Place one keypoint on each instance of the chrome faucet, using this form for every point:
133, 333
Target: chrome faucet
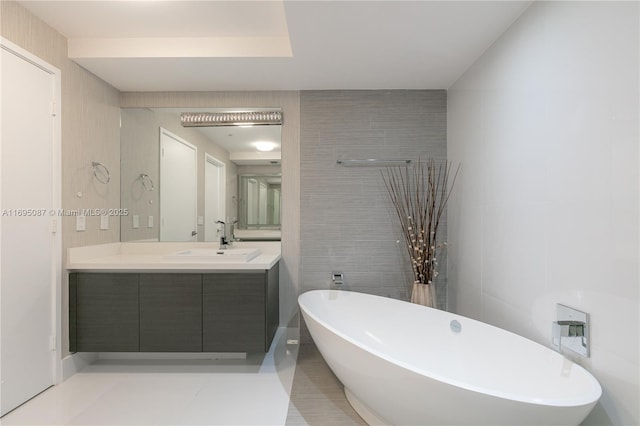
571, 330
223, 235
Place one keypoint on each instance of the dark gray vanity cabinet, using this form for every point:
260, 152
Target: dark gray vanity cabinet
173, 312
233, 307
170, 313
103, 315
240, 311
273, 304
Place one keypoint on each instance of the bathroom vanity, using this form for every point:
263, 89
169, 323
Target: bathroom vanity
173, 297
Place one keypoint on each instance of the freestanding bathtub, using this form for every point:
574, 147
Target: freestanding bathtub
405, 364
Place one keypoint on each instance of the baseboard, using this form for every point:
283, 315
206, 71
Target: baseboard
170, 355
75, 362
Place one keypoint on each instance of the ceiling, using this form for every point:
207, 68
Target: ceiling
184, 45
241, 142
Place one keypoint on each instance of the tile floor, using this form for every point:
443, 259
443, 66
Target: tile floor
260, 390
254, 391
317, 396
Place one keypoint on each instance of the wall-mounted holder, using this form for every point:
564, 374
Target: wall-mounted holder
147, 182
337, 278
571, 330
101, 172
380, 162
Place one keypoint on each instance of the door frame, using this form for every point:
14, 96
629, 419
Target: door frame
56, 183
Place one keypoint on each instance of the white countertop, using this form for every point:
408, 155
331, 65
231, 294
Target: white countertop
153, 257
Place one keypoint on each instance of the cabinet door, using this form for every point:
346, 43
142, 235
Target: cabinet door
171, 313
106, 312
234, 312
273, 303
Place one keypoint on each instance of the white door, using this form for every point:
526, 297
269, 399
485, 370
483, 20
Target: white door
214, 193
29, 249
178, 188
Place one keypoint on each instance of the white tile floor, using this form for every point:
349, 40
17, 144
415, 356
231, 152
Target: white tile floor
254, 391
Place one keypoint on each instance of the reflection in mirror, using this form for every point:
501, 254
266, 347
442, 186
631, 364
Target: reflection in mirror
178, 188
221, 155
259, 201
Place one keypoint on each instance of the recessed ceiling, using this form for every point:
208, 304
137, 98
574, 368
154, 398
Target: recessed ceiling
277, 45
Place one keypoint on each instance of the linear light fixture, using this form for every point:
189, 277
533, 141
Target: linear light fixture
240, 118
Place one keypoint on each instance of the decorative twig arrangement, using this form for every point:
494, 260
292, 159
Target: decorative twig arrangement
419, 195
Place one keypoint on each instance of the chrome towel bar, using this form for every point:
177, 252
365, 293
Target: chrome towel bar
379, 162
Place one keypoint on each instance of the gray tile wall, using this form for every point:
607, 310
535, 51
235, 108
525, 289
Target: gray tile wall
347, 222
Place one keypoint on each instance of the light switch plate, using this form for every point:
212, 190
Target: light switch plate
81, 223
136, 221
104, 222
150, 222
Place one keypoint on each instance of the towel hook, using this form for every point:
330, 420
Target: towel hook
101, 172
147, 182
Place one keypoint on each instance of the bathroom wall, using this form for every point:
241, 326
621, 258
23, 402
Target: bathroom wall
259, 169
545, 210
90, 132
139, 154
347, 220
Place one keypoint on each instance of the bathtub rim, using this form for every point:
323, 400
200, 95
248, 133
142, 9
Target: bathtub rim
554, 402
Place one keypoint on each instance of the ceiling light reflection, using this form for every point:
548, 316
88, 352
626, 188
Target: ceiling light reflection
265, 146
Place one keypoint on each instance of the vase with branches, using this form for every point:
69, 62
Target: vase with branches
419, 194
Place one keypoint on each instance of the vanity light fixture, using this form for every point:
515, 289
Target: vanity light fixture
239, 118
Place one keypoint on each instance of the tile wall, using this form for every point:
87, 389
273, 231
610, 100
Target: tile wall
347, 222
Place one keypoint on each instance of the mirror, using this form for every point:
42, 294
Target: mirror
177, 182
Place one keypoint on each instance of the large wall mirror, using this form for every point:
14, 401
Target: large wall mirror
179, 181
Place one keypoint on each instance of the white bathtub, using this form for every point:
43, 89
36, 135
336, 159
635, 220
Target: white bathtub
404, 364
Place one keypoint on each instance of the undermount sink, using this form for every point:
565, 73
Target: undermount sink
231, 254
